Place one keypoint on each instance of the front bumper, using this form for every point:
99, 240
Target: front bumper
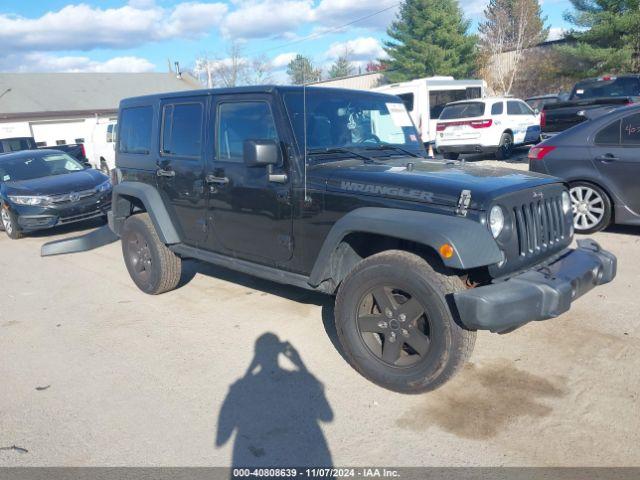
31, 218
541, 293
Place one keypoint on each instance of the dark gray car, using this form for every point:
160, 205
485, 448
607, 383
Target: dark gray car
600, 159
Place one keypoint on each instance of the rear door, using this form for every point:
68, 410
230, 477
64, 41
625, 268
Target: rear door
616, 155
180, 162
522, 121
249, 214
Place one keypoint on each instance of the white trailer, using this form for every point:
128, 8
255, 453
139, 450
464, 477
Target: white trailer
425, 99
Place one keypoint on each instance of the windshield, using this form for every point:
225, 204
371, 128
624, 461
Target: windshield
351, 120
462, 110
37, 166
618, 87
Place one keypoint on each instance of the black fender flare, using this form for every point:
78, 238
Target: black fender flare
472, 242
149, 196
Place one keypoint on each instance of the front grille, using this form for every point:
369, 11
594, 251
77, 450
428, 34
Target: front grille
540, 225
66, 197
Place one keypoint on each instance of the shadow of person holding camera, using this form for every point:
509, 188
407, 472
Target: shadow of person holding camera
275, 412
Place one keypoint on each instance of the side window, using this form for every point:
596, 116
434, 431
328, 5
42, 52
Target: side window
60, 142
630, 130
407, 99
609, 135
41, 144
525, 109
242, 121
182, 129
109, 133
513, 108
497, 108
79, 140
135, 130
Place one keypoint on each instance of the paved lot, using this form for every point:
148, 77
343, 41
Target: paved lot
94, 372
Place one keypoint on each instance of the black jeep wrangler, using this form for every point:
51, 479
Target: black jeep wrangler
331, 190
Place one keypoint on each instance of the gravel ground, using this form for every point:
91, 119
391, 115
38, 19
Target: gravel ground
95, 373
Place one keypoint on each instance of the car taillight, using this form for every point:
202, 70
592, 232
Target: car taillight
538, 153
440, 127
481, 123
543, 119
84, 152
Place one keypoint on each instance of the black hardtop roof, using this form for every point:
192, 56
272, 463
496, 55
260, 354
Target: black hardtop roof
239, 91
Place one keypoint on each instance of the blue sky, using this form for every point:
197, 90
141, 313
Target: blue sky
141, 35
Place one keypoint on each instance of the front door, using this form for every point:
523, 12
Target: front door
249, 210
181, 166
616, 154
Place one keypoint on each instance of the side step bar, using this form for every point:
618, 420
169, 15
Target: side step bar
98, 238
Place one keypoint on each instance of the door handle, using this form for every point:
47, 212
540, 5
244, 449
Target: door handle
216, 180
161, 172
607, 158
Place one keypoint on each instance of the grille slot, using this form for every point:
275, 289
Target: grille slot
539, 225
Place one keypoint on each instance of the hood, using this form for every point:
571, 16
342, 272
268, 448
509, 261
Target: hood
428, 181
57, 184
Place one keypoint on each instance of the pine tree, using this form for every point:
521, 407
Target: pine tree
607, 36
429, 37
301, 70
341, 68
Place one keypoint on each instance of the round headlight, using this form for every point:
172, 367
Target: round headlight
566, 202
496, 221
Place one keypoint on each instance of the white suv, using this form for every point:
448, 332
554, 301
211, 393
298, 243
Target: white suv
490, 125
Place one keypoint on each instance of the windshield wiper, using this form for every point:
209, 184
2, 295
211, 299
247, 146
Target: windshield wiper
331, 150
387, 146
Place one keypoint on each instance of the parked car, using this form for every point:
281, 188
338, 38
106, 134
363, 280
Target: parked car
590, 94
425, 98
76, 150
492, 125
601, 161
44, 188
330, 190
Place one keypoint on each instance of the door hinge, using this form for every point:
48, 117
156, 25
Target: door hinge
463, 203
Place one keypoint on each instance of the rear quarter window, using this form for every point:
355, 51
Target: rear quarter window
630, 131
462, 110
497, 108
609, 135
407, 99
135, 130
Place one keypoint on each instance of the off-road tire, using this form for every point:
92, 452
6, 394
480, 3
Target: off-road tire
505, 148
604, 218
451, 156
450, 344
13, 233
162, 272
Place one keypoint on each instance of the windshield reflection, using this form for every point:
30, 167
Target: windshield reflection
346, 122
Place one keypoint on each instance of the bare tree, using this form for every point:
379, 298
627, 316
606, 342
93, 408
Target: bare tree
233, 69
510, 28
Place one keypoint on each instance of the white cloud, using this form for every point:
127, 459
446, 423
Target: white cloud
556, 33
266, 18
41, 62
83, 27
282, 60
359, 49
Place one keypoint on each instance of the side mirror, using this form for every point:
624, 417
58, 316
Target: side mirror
258, 153
536, 111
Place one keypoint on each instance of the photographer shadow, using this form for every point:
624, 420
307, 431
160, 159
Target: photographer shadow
276, 412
